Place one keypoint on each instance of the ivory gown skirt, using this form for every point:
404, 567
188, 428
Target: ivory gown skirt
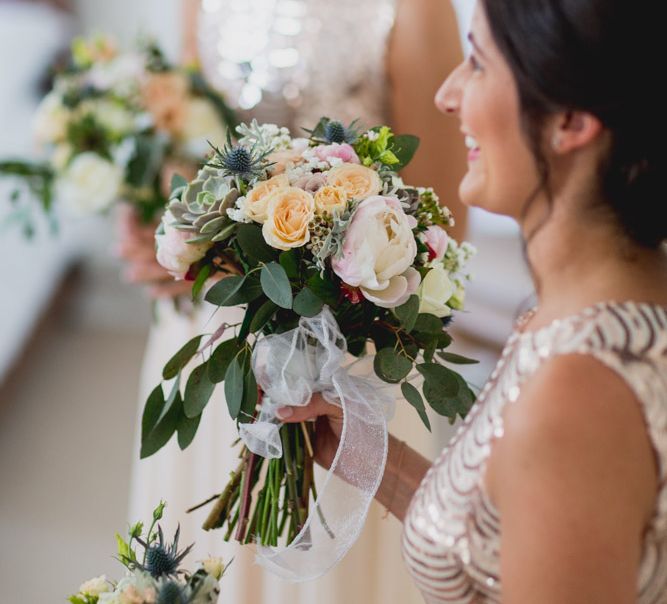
373, 571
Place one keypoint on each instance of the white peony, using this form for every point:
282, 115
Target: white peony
50, 121
112, 116
89, 184
435, 291
95, 586
378, 251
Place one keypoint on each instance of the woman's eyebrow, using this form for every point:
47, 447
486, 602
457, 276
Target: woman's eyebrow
471, 38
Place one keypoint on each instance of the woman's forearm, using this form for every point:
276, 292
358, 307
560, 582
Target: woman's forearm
403, 473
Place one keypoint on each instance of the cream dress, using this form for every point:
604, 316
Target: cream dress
288, 62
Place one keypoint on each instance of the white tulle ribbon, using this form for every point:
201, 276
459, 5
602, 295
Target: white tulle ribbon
289, 368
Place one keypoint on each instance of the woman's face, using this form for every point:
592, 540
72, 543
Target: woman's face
481, 91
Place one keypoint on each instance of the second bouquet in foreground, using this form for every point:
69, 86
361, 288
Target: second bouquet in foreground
330, 253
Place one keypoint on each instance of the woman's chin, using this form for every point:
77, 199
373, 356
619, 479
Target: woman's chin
470, 190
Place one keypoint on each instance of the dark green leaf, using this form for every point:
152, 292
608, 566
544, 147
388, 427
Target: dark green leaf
324, 289
152, 410
234, 384
160, 435
250, 312
250, 397
289, 260
186, 430
181, 358
262, 316
307, 304
442, 389
429, 349
457, 359
404, 147
202, 275
252, 243
221, 358
276, 285
427, 323
391, 366
407, 313
198, 391
466, 397
413, 397
234, 290
444, 340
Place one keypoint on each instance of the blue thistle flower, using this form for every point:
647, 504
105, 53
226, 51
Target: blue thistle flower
334, 132
239, 161
163, 560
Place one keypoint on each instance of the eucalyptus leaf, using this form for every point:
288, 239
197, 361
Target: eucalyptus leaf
442, 389
152, 410
221, 358
234, 385
427, 323
181, 358
404, 147
186, 430
391, 366
263, 316
202, 275
234, 290
164, 429
252, 243
198, 391
324, 289
407, 313
413, 397
276, 285
307, 304
456, 359
290, 262
250, 398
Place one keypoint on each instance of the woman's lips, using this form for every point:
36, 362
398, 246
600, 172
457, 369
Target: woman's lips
473, 147
473, 154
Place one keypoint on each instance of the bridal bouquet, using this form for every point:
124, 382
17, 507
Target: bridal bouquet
113, 123
154, 576
329, 252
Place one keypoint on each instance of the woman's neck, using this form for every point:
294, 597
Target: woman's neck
580, 260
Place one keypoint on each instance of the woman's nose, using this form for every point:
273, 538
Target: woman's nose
447, 99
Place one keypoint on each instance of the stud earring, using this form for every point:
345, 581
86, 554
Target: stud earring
556, 142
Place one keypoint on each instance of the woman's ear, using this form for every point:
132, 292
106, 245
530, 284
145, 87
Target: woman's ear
573, 130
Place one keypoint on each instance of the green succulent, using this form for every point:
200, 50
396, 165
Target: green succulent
202, 206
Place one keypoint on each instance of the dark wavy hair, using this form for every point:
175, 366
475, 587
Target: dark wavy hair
601, 57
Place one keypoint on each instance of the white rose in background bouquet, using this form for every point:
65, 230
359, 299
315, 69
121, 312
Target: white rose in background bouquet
154, 576
112, 124
330, 253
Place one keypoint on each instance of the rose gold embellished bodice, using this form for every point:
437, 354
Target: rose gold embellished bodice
451, 537
291, 62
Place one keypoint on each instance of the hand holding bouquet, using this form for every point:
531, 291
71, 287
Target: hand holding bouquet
329, 252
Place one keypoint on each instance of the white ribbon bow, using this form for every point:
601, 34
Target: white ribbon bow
289, 368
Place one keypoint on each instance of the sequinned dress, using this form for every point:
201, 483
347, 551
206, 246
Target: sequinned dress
288, 62
451, 536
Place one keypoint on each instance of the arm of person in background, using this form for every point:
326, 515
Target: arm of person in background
136, 241
425, 47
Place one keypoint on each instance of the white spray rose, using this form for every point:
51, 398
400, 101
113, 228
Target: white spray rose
111, 116
434, 292
89, 184
214, 566
173, 251
95, 586
50, 121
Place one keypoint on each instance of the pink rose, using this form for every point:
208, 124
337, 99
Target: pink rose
175, 254
342, 151
379, 249
436, 239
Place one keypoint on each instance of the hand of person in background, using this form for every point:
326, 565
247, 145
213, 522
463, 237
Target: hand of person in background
136, 245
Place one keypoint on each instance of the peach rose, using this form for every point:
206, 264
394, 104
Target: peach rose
289, 213
165, 96
258, 197
330, 199
358, 181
